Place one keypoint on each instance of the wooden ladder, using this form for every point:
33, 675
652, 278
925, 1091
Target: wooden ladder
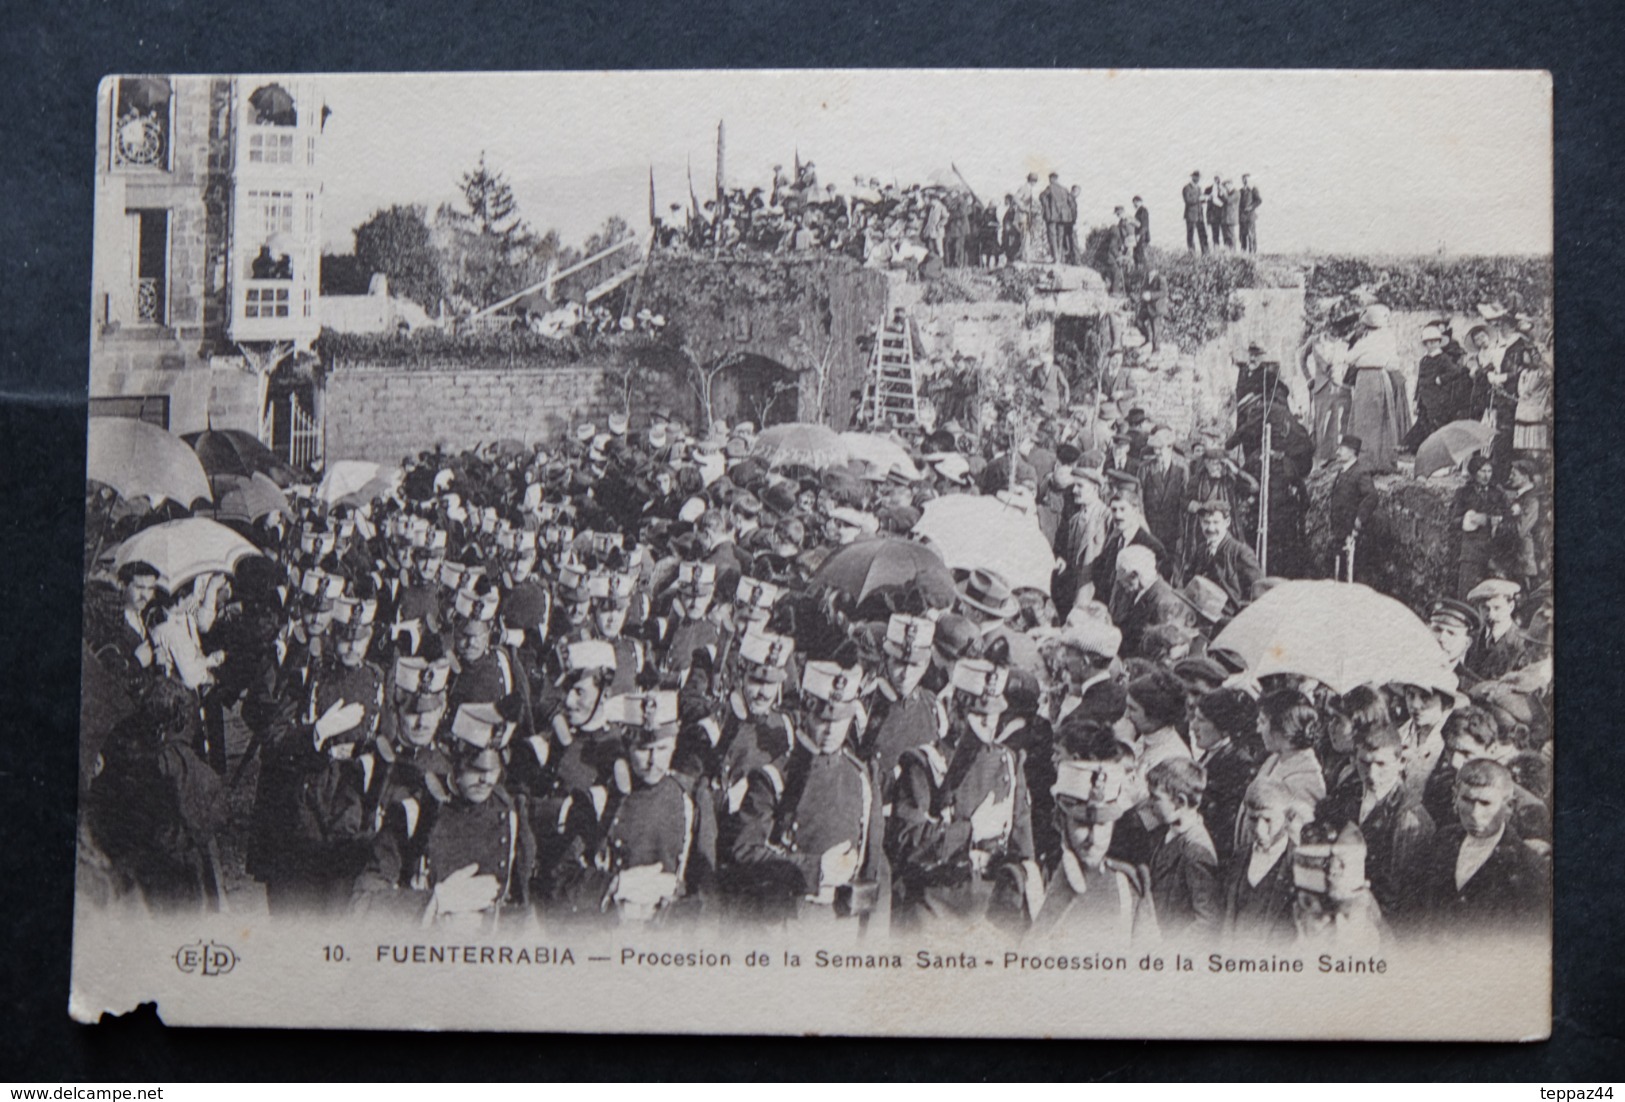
892, 396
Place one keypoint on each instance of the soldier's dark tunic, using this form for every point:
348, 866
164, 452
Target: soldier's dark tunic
1113, 909
423, 842
940, 872
665, 824
675, 638
485, 680
898, 724
796, 809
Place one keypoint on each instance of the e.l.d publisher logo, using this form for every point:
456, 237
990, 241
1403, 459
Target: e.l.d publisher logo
212, 959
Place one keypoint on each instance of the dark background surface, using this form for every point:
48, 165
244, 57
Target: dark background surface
53, 57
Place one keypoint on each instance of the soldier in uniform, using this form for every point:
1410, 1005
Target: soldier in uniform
903, 713
483, 671
643, 847
685, 624
960, 806
1333, 906
1090, 898
751, 731
407, 750
611, 595
574, 747
809, 844
462, 858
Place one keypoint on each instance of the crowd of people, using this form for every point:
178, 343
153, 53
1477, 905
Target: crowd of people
630, 678
930, 226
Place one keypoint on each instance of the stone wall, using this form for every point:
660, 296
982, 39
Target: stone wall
1409, 551
383, 414
795, 312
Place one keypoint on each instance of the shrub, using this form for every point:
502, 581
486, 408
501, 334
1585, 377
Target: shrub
1446, 284
478, 349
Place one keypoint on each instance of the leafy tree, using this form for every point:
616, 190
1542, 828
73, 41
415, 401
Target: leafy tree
344, 274
399, 243
491, 250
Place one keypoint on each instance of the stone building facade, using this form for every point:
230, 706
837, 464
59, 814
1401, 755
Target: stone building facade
207, 252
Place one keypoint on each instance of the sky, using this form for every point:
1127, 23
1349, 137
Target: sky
1346, 162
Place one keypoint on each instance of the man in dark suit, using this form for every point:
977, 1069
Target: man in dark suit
1258, 890
1478, 874
1220, 557
1059, 216
1396, 828
1127, 529
1142, 215
1214, 197
1250, 201
1353, 498
1163, 478
1195, 225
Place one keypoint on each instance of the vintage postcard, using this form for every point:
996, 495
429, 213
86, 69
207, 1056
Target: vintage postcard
964, 553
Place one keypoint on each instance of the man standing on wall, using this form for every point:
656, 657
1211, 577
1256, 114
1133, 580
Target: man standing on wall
1058, 218
1195, 228
1250, 202
1214, 194
1142, 215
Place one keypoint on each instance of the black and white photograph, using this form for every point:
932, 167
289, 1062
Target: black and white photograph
829, 544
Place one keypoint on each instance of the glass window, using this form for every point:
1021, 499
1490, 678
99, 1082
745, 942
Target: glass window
266, 302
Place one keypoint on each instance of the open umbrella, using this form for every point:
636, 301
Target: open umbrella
870, 565
884, 452
972, 531
181, 550
248, 499
800, 444
1339, 633
142, 460
1450, 445
357, 480
233, 451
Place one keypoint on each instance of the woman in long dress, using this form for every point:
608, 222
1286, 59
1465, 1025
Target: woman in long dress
1376, 415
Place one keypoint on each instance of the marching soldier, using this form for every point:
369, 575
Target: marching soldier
960, 808
1091, 898
903, 713
686, 624
460, 858
753, 730
643, 846
574, 748
483, 670
407, 750
611, 595
809, 844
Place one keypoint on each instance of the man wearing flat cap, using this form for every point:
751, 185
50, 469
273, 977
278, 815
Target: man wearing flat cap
1502, 645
